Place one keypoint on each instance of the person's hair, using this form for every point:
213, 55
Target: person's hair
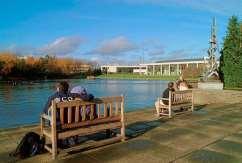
170, 85
63, 86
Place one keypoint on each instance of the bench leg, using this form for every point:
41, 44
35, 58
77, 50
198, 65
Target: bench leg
123, 132
41, 126
157, 107
54, 148
169, 111
54, 140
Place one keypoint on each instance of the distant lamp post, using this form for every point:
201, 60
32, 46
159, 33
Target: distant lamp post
142, 60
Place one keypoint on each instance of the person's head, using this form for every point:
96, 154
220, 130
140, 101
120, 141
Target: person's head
170, 85
63, 87
80, 90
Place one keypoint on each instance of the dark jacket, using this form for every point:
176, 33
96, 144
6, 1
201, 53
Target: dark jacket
166, 95
61, 96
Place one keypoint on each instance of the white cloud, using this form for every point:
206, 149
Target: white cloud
115, 46
62, 46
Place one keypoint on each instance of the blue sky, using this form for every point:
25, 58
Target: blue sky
113, 31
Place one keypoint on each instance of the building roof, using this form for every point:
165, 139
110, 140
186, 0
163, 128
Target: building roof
180, 60
122, 66
171, 61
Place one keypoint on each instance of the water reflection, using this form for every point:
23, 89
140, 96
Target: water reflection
22, 104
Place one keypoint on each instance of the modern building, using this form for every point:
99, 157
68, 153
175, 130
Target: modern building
80, 68
173, 67
160, 68
123, 69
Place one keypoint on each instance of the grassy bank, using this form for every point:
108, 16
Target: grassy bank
138, 77
234, 89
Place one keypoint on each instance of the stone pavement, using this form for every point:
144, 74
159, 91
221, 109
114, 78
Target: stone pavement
212, 133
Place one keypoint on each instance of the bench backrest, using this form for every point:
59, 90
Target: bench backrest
73, 113
179, 97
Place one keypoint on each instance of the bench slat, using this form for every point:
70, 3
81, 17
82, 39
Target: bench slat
69, 114
108, 99
84, 112
105, 110
89, 130
110, 109
62, 115
116, 108
93, 144
91, 122
77, 113
92, 112
94, 101
98, 110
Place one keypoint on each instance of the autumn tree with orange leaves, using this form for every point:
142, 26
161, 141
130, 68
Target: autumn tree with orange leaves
38, 67
8, 61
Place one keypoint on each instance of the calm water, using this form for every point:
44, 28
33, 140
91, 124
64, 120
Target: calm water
22, 104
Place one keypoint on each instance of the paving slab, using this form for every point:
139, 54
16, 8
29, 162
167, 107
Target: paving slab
227, 147
207, 156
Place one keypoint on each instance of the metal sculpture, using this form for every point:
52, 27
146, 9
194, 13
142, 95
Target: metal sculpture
212, 66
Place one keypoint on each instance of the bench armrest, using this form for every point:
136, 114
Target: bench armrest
44, 116
167, 99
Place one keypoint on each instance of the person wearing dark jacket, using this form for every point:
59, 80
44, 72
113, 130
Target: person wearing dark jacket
63, 94
165, 94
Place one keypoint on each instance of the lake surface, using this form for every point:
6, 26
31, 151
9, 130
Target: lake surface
22, 104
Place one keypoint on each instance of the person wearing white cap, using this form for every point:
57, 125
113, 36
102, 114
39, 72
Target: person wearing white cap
84, 95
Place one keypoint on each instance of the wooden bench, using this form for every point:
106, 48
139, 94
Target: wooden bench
109, 115
177, 101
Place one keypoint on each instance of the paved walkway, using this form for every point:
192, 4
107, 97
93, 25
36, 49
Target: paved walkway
213, 133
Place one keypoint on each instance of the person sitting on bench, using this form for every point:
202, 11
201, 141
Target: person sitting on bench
164, 95
83, 92
62, 94
182, 84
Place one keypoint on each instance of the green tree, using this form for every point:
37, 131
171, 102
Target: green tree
240, 51
230, 59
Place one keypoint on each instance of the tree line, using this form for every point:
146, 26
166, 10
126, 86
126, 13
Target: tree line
231, 55
46, 67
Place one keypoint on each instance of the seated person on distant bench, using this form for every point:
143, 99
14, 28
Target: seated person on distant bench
182, 84
164, 95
